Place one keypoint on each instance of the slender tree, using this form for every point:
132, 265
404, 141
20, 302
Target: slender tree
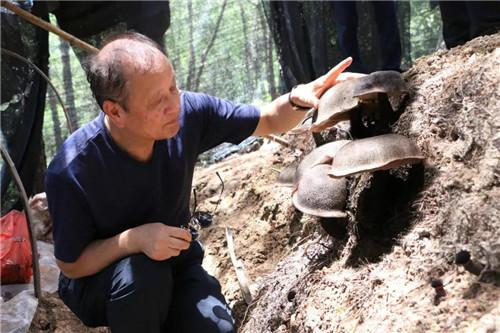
269, 47
68, 83
209, 46
250, 74
192, 54
55, 120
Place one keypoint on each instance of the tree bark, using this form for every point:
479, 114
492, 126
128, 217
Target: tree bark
251, 78
192, 54
68, 84
269, 45
55, 119
273, 91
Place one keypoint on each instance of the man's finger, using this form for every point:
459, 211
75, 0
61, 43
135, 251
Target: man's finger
179, 244
181, 234
344, 76
332, 75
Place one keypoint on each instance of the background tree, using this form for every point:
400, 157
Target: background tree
209, 47
69, 92
192, 55
53, 103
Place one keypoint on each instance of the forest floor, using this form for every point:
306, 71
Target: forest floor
405, 225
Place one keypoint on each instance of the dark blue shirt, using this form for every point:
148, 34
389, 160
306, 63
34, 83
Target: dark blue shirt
95, 190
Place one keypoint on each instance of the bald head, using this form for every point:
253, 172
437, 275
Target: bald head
121, 56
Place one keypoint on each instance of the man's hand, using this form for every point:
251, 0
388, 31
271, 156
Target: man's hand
309, 94
279, 116
156, 240
159, 241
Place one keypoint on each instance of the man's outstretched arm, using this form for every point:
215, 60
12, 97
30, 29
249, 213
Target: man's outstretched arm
279, 116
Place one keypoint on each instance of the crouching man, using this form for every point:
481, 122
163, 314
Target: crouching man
119, 189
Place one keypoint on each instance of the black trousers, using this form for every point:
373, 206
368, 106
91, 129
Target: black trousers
466, 20
346, 21
138, 294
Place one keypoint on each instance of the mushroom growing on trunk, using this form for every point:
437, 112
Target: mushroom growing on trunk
368, 87
291, 175
335, 104
316, 194
375, 153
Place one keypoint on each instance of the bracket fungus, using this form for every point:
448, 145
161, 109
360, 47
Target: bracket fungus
368, 87
374, 153
316, 194
335, 104
338, 102
291, 175
320, 155
376, 114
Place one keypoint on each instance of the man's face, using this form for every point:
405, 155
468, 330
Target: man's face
153, 104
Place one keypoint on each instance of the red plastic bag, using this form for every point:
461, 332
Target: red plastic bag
15, 249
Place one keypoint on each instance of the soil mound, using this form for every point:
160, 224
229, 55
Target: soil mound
406, 224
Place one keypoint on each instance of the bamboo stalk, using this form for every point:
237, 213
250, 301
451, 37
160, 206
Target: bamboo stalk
29, 219
49, 27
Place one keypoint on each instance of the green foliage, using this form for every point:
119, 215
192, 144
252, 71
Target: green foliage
238, 66
235, 67
425, 28
85, 104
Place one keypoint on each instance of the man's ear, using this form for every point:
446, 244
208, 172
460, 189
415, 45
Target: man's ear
115, 113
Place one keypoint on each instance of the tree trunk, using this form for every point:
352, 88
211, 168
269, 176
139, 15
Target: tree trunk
55, 119
404, 20
38, 183
192, 54
270, 68
251, 79
269, 45
209, 46
68, 84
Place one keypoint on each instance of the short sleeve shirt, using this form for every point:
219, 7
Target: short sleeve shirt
95, 190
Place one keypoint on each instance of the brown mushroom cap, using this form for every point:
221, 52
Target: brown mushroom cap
306, 122
320, 155
291, 174
375, 153
389, 82
319, 195
335, 104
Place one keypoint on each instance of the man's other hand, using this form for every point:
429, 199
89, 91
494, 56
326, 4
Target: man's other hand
160, 242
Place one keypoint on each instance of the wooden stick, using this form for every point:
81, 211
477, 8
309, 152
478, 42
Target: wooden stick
49, 27
239, 269
277, 139
29, 219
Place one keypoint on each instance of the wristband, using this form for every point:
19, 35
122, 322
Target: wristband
296, 107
